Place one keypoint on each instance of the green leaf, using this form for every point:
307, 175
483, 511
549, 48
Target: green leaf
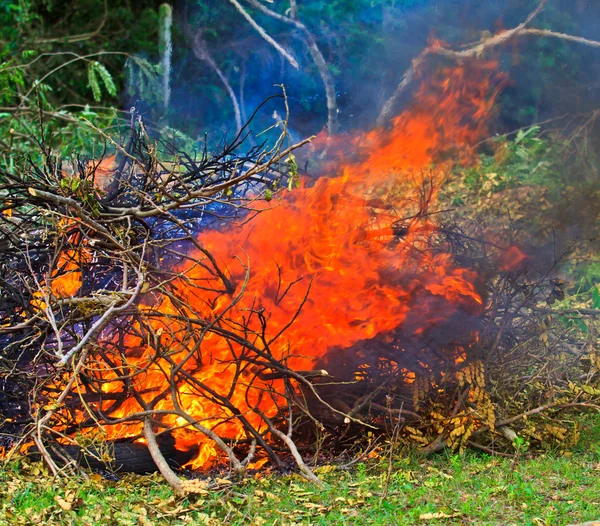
590, 390
524, 134
106, 77
95, 70
93, 83
596, 297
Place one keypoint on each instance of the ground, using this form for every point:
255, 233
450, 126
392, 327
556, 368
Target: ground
542, 489
533, 488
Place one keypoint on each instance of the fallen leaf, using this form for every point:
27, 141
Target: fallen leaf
324, 469
314, 506
437, 515
67, 506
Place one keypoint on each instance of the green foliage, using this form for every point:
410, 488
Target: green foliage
526, 159
584, 288
143, 78
359, 39
95, 71
83, 190
544, 66
294, 176
59, 57
596, 290
11, 80
543, 189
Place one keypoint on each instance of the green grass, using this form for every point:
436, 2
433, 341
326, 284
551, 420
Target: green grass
469, 489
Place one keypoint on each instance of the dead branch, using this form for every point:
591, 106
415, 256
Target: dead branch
164, 468
265, 35
316, 55
103, 321
201, 51
283, 374
72, 39
287, 440
547, 33
473, 51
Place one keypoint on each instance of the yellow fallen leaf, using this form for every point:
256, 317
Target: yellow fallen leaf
437, 515
325, 469
314, 506
67, 506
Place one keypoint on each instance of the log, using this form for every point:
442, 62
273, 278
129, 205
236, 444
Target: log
127, 457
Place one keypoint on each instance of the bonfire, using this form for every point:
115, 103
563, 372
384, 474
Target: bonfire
229, 311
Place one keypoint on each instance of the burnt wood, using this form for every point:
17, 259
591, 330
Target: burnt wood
127, 457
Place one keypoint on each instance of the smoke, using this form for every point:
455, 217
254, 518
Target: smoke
367, 47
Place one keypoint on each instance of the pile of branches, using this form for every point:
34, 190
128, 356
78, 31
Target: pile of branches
82, 258
512, 380
87, 267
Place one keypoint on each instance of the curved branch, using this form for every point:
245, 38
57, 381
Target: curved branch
201, 51
164, 468
473, 51
317, 56
264, 35
77, 38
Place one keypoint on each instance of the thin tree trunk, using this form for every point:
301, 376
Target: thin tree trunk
166, 50
201, 51
316, 55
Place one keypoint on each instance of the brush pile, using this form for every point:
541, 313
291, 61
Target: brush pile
173, 310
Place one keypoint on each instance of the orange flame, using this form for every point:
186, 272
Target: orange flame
326, 266
513, 259
67, 279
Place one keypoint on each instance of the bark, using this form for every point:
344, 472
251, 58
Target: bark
265, 35
162, 465
201, 51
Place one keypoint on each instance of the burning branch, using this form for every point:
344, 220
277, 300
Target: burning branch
188, 304
72, 249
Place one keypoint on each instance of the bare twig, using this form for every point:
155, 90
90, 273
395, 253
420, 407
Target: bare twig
201, 51
316, 55
164, 468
